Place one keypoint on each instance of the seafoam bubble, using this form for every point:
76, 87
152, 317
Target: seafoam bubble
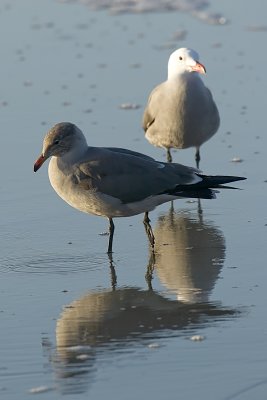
197, 8
237, 160
211, 18
40, 389
197, 338
129, 106
153, 345
82, 357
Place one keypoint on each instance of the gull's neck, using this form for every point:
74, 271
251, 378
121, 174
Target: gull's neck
173, 74
182, 76
76, 153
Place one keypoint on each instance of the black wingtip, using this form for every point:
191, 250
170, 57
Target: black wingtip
227, 187
213, 181
238, 178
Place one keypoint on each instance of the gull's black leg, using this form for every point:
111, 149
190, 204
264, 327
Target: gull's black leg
169, 156
197, 157
111, 233
149, 231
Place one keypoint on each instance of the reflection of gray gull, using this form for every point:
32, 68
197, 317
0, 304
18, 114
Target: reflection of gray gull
190, 255
103, 322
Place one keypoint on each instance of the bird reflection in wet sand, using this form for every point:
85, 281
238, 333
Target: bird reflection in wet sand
104, 323
190, 254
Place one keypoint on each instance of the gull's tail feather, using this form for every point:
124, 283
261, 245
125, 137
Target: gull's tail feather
197, 193
204, 188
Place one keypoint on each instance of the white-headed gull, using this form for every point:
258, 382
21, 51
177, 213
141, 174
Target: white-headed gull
181, 112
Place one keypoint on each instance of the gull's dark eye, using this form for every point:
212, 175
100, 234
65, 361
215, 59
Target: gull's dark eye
56, 141
180, 58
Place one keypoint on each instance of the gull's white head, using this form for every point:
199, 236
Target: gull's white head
184, 61
61, 139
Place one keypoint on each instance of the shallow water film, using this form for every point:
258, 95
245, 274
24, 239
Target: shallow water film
188, 321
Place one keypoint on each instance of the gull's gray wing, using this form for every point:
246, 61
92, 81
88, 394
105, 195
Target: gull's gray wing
128, 177
210, 113
151, 109
130, 152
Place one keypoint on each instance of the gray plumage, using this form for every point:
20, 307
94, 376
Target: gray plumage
114, 182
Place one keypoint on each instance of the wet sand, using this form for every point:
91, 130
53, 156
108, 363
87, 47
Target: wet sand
189, 322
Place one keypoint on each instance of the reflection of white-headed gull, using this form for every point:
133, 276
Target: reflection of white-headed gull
114, 182
181, 112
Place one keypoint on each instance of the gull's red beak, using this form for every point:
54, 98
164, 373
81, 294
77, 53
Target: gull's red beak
38, 163
199, 68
